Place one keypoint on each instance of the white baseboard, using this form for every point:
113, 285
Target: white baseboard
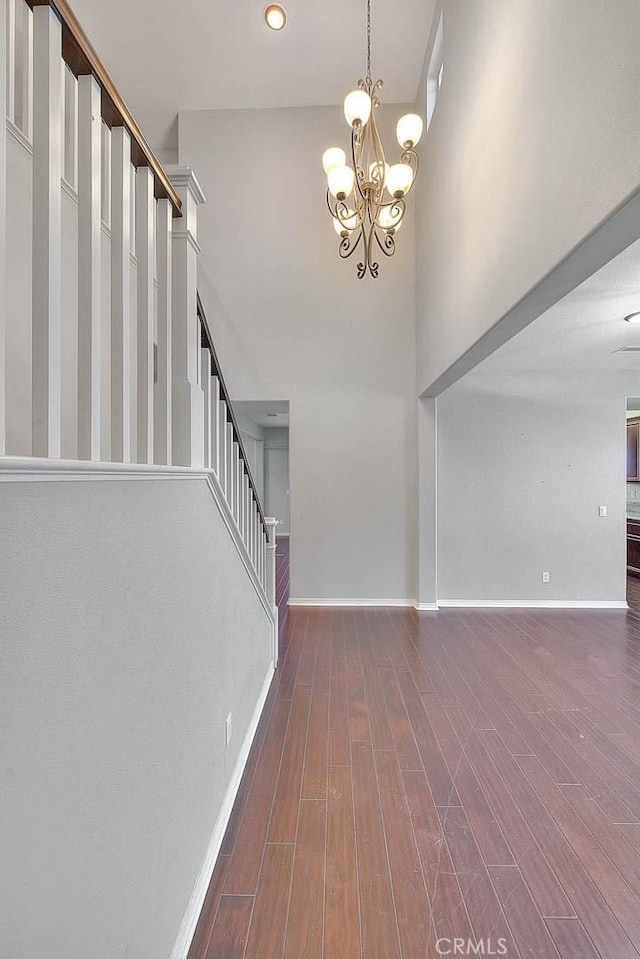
352, 602
196, 902
466, 603
532, 604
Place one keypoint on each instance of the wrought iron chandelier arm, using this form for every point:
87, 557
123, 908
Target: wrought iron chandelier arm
411, 158
356, 157
349, 244
388, 245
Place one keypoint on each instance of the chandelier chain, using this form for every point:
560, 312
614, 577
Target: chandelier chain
368, 39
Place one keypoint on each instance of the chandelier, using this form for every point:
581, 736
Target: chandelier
367, 199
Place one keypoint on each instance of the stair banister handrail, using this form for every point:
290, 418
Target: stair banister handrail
216, 370
82, 59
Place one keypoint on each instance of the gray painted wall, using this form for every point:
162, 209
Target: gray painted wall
524, 462
276, 471
534, 141
129, 630
339, 349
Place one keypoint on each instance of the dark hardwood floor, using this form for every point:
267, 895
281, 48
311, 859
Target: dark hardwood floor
418, 778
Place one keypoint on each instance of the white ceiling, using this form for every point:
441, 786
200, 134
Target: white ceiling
584, 330
271, 414
219, 54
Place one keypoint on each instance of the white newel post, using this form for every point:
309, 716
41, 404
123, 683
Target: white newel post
47, 233
145, 313
271, 523
162, 395
3, 226
89, 266
120, 295
187, 395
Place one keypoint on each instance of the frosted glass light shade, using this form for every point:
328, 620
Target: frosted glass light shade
387, 221
357, 106
340, 181
347, 224
409, 129
399, 179
332, 158
374, 175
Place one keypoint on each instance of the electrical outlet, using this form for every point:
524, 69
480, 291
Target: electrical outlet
603, 511
227, 729
546, 578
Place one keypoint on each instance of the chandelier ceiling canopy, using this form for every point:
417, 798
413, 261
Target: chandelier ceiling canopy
367, 198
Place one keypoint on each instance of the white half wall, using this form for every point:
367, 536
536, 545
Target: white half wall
340, 350
130, 629
525, 460
533, 143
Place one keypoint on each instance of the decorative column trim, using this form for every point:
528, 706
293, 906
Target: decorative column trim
89, 268
47, 233
120, 295
187, 393
184, 178
3, 230
162, 395
145, 319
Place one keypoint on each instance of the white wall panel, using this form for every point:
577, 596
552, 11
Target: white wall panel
116, 679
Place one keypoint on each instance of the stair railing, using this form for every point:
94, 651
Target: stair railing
101, 330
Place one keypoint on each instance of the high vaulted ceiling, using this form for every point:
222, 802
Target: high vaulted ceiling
167, 56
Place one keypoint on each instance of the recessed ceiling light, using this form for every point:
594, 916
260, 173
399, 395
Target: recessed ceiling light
633, 318
275, 16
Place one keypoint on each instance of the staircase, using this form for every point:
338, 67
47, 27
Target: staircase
137, 571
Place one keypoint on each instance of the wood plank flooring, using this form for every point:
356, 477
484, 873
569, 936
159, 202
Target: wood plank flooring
421, 778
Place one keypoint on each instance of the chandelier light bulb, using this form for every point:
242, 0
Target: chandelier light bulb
340, 181
332, 158
275, 16
357, 106
388, 221
399, 179
409, 130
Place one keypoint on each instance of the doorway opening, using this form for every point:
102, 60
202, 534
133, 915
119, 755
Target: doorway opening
264, 426
633, 503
